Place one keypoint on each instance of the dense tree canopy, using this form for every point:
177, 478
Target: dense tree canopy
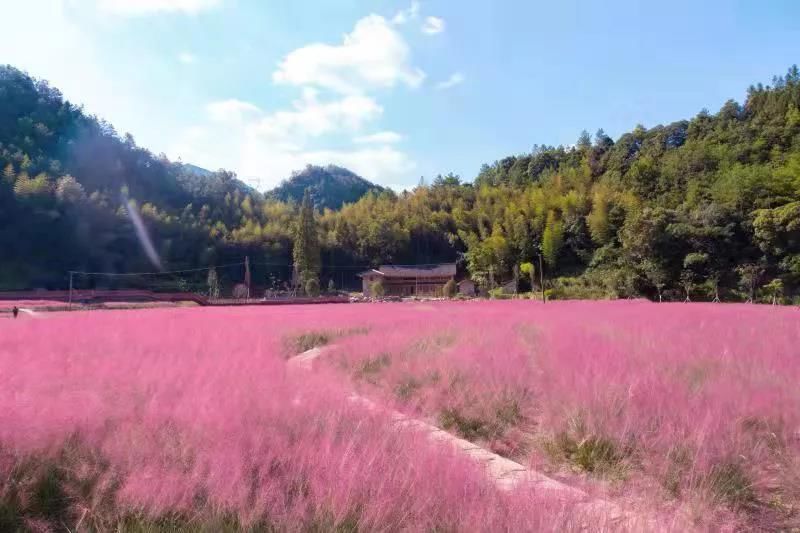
697, 207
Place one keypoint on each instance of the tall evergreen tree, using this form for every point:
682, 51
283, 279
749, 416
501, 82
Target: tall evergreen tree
306, 253
553, 239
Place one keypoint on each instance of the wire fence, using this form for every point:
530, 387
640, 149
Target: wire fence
228, 281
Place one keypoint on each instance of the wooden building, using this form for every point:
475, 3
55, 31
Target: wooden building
400, 280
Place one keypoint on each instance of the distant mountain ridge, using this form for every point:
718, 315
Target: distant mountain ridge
330, 186
199, 171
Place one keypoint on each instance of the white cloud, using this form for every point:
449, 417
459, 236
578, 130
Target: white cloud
381, 164
311, 118
145, 7
456, 78
382, 137
433, 25
187, 58
374, 55
231, 110
404, 15
272, 145
334, 106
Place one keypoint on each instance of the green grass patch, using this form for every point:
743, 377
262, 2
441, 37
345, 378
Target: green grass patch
596, 454
679, 464
471, 428
432, 344
488, 425
729, 482
307, 341
407, 387
302, 342
369, 368
591, 454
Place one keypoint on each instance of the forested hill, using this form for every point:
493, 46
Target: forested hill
63, 175
329, 186
711, 202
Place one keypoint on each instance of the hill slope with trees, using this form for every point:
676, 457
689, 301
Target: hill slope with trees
693, 208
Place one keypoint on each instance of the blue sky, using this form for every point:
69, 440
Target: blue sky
393, 90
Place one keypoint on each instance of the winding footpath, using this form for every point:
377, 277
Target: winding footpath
600, 515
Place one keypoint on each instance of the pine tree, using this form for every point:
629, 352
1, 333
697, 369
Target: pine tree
584, 141
69, 190
8, 174
306, 252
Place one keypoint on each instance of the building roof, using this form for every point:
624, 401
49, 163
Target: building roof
371, 271
466, 280
419, 271
442, 270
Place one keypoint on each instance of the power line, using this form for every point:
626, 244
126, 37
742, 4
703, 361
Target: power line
112, 274
283, 265
324, 266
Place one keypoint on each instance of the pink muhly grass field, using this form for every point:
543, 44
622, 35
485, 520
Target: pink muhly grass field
693, 406
190, 417
686, 413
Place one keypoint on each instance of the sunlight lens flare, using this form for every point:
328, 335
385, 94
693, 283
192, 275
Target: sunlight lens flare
141, 231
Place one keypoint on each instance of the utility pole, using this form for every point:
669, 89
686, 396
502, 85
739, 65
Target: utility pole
70, 289
247, 274
541, 278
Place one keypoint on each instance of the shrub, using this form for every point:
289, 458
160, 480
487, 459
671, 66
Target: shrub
240, 291
449, 290
312, 287
377, 289
498, 294
576, 289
